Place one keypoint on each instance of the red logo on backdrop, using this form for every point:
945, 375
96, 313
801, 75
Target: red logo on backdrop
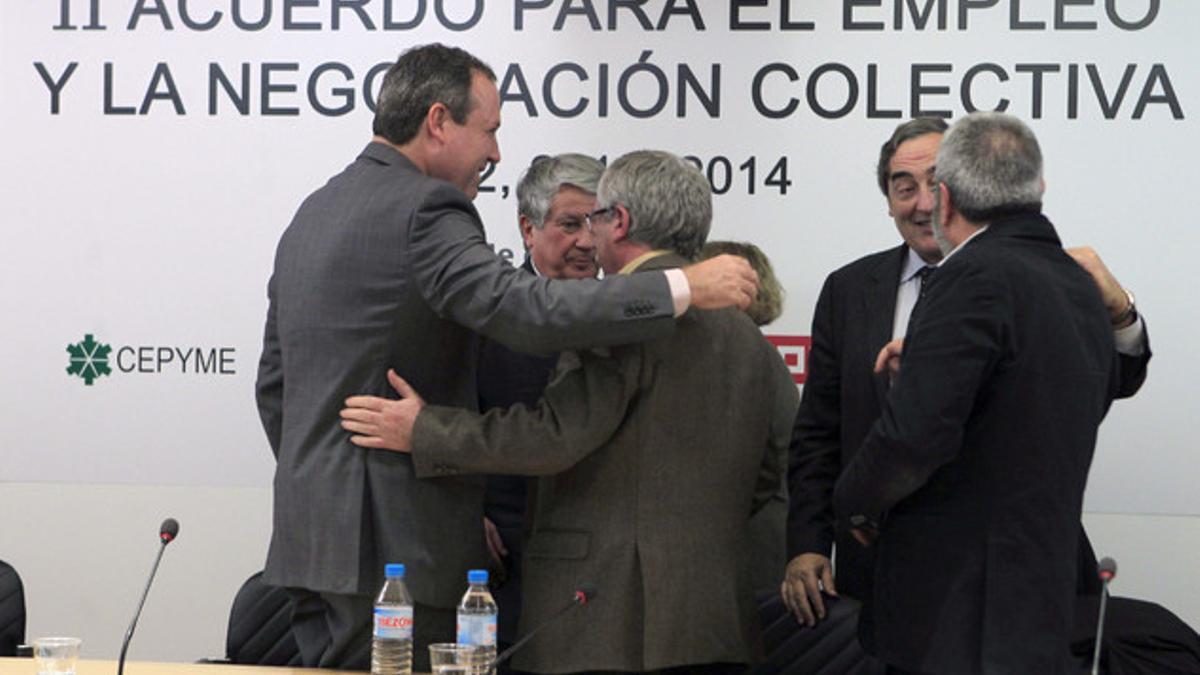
794, 350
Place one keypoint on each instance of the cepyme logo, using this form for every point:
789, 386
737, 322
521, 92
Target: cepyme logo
89, 359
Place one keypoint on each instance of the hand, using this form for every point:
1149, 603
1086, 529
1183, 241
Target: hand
724, 281
495, 544
806, 575
864, 535
1111, 291
381, 422
889, 358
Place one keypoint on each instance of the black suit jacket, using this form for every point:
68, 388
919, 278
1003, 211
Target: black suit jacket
976, 469
841, 400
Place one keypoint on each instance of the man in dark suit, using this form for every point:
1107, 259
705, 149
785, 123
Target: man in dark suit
862, 307
654, 458
971, 483
554, 197
387, 266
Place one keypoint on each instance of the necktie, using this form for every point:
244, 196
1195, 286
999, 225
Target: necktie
923, 274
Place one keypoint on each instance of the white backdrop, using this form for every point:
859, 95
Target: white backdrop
136, 213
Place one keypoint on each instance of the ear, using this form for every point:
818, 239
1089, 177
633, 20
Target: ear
621, 223
436, 121
526, 226
945, 203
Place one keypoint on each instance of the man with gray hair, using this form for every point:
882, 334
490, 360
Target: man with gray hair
647, 487
554, 197
970, 485
862, 306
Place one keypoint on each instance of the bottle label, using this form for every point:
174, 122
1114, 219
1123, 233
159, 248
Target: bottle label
477, 629
393, 623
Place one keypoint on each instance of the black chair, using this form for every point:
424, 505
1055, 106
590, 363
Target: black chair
12, 610
829, 648
1140, 638
260, 626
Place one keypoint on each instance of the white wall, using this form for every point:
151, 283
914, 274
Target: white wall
84, 552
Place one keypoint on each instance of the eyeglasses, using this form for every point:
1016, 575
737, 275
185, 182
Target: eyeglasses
600, 213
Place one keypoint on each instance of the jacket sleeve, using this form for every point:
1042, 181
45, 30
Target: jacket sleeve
463, 280
1133, 367
815, 452
772, 478
269, 384
580, 411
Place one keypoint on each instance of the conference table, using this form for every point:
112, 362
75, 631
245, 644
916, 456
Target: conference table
27, 666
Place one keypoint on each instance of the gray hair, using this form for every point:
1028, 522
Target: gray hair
992, 165
914, 128
669, 200
421, 77
547, 175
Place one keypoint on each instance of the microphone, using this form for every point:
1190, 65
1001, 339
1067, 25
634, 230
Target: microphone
1107, 570
166, 534
584, 594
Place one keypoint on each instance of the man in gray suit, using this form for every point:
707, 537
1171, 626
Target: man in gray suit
654, 459
387, 266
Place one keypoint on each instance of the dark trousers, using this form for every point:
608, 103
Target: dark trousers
334, 631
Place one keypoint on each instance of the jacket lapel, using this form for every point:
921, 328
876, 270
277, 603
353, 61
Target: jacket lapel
879, 307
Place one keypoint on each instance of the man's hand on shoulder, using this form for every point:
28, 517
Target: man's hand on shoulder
383, 423
1116, 300
806, 576
724, 281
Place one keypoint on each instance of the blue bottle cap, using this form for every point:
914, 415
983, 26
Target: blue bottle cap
392, 570
477, 576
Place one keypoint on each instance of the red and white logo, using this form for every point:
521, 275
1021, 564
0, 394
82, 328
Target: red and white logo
794, 350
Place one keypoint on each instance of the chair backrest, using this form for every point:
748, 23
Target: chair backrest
829, 647
12, 610
260, 626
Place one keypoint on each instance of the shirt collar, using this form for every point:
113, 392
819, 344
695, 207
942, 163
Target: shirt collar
912, 265
958, 248
533, 265
637, 262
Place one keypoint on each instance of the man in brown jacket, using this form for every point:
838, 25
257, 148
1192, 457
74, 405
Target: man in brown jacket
654, 458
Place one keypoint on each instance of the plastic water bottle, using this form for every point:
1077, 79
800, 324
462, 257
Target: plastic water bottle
477, 614
391, 648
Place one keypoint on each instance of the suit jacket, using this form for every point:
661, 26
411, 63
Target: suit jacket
842, 398
662, 453
385, 267
977, 466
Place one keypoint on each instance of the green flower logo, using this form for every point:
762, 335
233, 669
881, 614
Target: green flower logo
89, 359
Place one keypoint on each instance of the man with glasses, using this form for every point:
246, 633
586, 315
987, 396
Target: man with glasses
554, 196
654, 457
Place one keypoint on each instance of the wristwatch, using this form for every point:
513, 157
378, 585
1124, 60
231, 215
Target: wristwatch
1130, 315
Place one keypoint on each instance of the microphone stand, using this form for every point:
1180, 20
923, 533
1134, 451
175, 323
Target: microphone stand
142, 602
581, 598
1108, 570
